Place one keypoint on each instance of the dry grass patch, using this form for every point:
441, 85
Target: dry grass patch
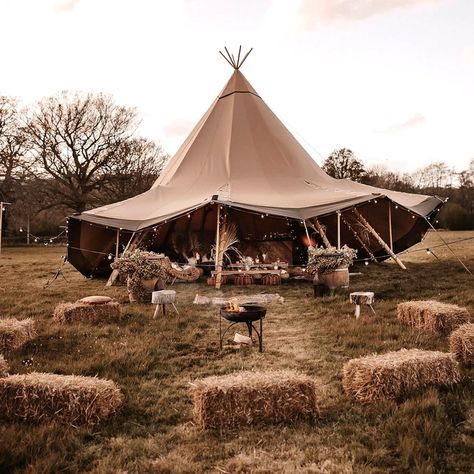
247, 398
70, 399
397, 374
3, 367
80, 312
461, 343
432, 315
14, 333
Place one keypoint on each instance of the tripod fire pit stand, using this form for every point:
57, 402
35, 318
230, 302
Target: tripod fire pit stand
248, 314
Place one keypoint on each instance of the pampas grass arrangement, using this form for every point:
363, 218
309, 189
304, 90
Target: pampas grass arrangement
461, 343
14, 333
396, 374
432, 315
79, 312
68, 399
248, 398
3, 367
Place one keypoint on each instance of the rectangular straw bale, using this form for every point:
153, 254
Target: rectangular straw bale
432, 315
66, 313
66, 399
3, 367
461, 343
14, 333
396, 374
247, 398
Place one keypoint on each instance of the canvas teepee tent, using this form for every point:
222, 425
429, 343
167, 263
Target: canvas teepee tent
241, 158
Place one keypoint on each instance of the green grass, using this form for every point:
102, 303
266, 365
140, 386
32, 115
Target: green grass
154, 360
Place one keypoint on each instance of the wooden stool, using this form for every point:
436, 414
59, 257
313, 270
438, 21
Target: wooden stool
162, 298
362, 297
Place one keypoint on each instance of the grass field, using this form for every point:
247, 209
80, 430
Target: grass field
153, 361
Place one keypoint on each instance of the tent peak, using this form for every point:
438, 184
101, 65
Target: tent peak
236, 64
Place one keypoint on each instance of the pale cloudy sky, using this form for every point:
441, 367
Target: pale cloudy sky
391, 79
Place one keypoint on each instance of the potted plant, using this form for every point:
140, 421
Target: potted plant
330, 268
144, 273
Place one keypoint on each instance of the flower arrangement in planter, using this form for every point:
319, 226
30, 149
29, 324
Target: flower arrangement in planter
324, 260
330, 268
140, 267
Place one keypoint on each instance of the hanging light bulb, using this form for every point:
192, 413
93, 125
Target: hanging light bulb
36, 239
366, 262
21, 229
109, 256
189, 216
396, 207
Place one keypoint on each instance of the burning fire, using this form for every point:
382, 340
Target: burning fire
233, 305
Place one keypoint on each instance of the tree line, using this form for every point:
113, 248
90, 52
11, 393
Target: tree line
76, 151
434, 179
69, 153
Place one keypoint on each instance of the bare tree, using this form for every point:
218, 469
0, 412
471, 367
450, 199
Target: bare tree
76, 139
137, 168
13, 164
342, 164
435, 176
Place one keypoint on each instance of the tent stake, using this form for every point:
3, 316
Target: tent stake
378, 238
361, 242
321, 232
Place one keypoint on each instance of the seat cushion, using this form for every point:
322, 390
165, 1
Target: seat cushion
96, 299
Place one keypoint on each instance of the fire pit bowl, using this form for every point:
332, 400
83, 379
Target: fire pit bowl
250, 313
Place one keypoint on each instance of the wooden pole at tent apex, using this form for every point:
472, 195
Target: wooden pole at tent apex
364, 222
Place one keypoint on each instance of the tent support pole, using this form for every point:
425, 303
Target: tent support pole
378, 238
338, 230
307, 233
447, 245
114, 275
390, 224
361, 242
321, 232
218, 263
117, 244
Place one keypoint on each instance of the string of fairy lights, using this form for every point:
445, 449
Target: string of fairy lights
223, 207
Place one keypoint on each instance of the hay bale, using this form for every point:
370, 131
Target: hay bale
461, 343
79, 312
3, 367
63, 399
14, 333
432, 315
396, 374
247, 398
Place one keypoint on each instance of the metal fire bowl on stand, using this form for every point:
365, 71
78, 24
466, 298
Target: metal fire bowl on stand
250, 314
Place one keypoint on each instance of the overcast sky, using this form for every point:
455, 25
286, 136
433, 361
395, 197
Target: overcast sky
391, 79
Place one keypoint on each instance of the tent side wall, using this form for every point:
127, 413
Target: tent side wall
90, 245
